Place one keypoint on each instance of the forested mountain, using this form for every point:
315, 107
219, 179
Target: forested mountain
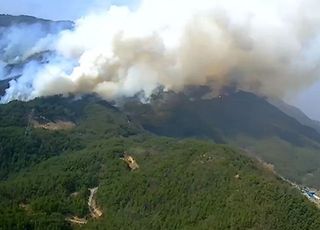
54, 149
295, 113
239, 118
25, 139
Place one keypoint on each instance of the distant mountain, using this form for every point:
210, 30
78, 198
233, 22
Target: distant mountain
296, 114
239, 118
10, 20
4, 84
14, 56
220, 118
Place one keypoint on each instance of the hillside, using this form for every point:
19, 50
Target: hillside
23, 143
239, 118
296, 114
180, 184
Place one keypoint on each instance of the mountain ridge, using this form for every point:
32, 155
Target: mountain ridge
242, 119
7, 20
296, 113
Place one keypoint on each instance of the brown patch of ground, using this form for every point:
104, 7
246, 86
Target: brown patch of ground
131, 162
92, 203
57, 125
77, 220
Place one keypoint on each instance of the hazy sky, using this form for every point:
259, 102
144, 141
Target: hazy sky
56, 9
309, 101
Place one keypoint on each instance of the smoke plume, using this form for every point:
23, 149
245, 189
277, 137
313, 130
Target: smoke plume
267, 47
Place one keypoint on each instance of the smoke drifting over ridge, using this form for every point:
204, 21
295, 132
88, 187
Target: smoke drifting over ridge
267, 47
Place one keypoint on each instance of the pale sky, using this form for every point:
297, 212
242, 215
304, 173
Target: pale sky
56, 9
309, 101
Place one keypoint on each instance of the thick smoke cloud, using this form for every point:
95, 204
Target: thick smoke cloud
266, 47
26, 44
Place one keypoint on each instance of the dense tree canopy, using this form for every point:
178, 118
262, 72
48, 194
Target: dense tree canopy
181, 184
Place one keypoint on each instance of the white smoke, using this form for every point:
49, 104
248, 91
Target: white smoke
268, 47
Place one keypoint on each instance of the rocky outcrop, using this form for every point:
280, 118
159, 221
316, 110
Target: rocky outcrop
77, 220
57, 125
130, 161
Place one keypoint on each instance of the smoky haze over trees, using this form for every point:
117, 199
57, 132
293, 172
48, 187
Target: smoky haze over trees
262, 48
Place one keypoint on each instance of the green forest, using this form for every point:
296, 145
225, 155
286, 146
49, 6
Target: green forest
180, 184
